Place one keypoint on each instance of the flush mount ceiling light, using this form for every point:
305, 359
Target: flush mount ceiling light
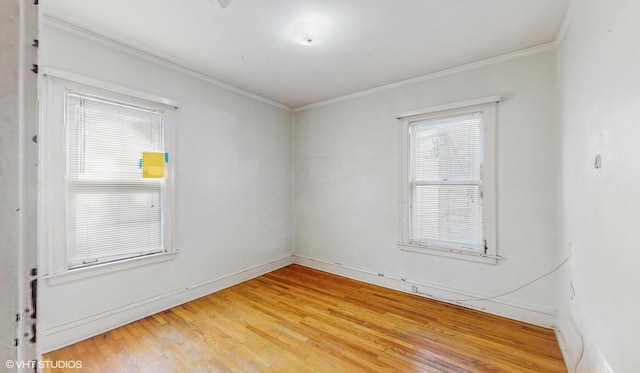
224, 3
310, 29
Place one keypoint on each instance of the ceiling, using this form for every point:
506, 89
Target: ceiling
367, 44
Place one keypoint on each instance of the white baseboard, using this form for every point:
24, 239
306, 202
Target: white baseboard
515, 311
564, 349
580, 353
58, 337
602, 366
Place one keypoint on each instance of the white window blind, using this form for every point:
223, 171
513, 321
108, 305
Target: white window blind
112, 212
446, 158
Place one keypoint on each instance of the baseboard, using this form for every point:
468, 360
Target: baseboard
566, 348
580, 352
602, 366
515, 311
62, 336
576, 357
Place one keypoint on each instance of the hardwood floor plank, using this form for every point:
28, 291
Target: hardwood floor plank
298, 319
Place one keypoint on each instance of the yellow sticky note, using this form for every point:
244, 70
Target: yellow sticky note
153, 165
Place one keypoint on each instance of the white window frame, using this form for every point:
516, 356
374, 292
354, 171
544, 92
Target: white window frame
488, 107
51, 188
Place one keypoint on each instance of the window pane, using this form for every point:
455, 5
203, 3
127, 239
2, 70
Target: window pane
112, 211
106, 222
448, 149
448, 213
105, 140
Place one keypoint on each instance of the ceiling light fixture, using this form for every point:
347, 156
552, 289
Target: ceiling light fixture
310, 29
224, 3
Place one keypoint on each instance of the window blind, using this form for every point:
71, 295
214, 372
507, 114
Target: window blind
446, 181
112, 212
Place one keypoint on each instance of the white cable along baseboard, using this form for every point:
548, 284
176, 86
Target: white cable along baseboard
57, 337
512, 310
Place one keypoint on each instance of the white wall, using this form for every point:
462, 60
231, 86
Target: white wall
347, 181
599, 77
234, 183
9, 176
18, 102
233, 188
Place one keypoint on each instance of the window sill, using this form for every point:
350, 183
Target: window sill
101, 269
455, 254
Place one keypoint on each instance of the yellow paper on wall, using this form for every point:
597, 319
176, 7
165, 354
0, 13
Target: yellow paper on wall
153, 165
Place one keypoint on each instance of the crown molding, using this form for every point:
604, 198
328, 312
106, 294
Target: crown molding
565, 24
89, 35
59, 24
438, 74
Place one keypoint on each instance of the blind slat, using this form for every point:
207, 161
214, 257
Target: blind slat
112, 211
448, 213
446, 179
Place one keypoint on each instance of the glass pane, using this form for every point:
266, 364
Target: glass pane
105, 140
112, 211
448, 149
448, 213
111, 221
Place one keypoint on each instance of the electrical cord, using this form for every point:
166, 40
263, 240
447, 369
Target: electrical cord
562, 263
581, 356
581, 352
575, 368
510, 291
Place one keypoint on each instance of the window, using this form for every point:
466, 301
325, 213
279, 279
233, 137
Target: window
449, 180
105, 165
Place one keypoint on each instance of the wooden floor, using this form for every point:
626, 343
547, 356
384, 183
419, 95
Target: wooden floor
301, 320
